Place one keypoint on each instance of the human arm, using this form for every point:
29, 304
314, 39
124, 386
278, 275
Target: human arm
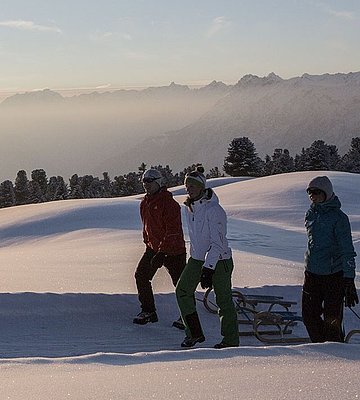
173, 237
344, 239
217, 222
343, 231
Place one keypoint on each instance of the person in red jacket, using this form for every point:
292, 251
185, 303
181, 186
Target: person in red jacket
164, 240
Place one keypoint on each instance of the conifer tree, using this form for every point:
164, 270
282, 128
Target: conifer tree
56, 189
106, 185
7, 194
21, 188
319, 156
75, 188
242, 158
214, 173
39, 176
280, 163
350, 162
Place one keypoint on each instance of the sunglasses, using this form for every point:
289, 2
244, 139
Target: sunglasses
149, 180
315, 192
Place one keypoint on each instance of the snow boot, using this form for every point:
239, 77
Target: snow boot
190, 342
197, 336
179, 324
223, 345
144, 317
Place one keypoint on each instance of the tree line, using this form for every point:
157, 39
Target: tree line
242, 160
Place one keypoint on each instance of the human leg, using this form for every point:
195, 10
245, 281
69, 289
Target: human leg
312, 307
175, 266
333, 307
227, 313
143, 275
185, 290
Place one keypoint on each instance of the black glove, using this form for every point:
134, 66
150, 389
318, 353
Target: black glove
351, 297
206, 278
158, 260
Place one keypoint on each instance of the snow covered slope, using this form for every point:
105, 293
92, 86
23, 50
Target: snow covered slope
68, 297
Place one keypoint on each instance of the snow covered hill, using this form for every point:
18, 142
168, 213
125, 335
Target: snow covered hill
68, 297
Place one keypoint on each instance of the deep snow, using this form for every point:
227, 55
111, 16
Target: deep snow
68, 297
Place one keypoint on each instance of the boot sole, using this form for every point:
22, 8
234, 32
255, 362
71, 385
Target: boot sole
145, 321
198, 340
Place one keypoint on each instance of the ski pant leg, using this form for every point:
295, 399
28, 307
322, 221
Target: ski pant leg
333, 307
322, 307
143, 275
312, 299
185, 291
175, 266
227, 313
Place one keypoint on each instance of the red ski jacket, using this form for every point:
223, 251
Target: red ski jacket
161, 218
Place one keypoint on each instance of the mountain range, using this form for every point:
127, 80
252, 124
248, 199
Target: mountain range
271, 111
177, 125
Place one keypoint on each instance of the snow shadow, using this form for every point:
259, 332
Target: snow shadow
124, 216
266, 240
95, 327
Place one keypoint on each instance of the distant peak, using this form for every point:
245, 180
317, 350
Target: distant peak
214, 86
34, 97
252, 80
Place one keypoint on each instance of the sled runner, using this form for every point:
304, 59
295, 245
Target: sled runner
351, 334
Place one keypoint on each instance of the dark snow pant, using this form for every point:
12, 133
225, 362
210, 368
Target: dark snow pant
145, 272
185, 294
322, 307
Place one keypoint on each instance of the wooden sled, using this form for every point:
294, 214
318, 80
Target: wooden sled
281, 322
270, 317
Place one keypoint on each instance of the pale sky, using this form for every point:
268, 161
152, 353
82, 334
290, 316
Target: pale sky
64, 44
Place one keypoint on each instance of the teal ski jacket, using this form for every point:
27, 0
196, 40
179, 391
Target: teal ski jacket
330, 248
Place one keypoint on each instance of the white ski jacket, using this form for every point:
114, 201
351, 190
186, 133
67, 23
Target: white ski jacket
207, 221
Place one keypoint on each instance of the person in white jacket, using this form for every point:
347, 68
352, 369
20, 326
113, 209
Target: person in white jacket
210, 263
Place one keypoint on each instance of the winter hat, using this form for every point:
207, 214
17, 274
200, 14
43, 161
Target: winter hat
323, 183
152, 175
196, 177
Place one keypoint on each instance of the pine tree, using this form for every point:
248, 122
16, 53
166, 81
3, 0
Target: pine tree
119, 186
7, 194
142, 168
280, 163
39, 176
214, 173
21, 188
242, 159
106, 185
133, 184
35, 193
75, 188
56, 189
350, 162
319, 156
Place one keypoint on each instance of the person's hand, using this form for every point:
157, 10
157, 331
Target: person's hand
351, 297
158, 259
206, 277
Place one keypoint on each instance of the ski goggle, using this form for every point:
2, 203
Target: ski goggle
149, 180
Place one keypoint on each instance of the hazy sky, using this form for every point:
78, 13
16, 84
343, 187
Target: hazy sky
126, 43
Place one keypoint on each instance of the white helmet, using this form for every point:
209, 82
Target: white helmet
152, 175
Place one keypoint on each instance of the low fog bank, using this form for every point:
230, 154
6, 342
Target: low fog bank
80, 135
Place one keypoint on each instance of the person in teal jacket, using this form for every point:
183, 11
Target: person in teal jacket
329, 264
